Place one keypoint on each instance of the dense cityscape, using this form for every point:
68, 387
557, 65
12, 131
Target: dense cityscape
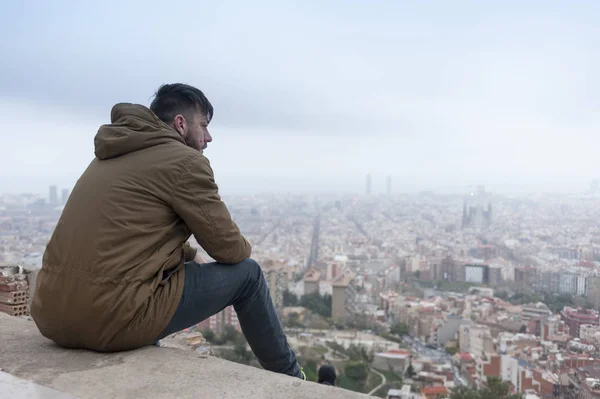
409, 296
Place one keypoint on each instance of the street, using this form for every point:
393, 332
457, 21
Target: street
437, 355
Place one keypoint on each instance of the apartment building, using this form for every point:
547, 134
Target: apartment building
343, 298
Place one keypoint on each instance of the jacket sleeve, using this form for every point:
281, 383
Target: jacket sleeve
196, 200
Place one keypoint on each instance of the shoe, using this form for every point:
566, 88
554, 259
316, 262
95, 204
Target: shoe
302, 373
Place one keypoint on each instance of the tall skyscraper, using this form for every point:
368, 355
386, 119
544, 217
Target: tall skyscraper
53, 195
388, 186
475, 216
65, 195
369, 184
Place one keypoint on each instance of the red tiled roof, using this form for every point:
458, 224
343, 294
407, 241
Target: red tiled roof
399, 352
435, 390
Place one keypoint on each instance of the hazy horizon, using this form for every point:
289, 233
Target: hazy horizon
258, 185
313, 97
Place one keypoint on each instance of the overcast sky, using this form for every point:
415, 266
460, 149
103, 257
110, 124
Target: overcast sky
313, 95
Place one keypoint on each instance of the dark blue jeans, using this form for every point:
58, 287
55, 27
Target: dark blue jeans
210, 288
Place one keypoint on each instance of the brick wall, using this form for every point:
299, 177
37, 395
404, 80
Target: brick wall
14, 290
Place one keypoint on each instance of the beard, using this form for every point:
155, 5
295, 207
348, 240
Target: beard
192, 142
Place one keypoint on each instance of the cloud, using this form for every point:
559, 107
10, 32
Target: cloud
298, 68
390, 87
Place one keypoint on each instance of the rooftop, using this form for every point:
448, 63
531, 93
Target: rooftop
581, 314
342, 281
393, 355
435, 390
150, 372
312, 275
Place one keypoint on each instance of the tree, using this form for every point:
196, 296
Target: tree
243, 354
451, 350
209, 335
463, 392
289, 299
494, 389
399, 329
359, 321
336, 346
316, 303
502, 295
555, 302
230, 334
497, 389
292, 320
358, 353
410, 371
357, 371
371, 355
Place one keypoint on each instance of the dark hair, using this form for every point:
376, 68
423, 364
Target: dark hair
179, 98
326, 375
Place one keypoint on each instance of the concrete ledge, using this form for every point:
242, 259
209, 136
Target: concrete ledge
146, 373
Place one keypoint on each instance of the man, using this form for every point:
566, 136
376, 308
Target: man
118, 274
327, 375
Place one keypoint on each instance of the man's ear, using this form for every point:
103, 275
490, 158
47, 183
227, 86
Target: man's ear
180, 125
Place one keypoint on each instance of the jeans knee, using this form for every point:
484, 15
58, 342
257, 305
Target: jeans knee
251, 267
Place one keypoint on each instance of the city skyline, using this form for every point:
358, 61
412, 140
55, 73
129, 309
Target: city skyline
414, 276
356, 185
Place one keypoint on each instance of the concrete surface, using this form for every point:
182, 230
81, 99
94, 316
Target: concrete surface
12, 387
150, 372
